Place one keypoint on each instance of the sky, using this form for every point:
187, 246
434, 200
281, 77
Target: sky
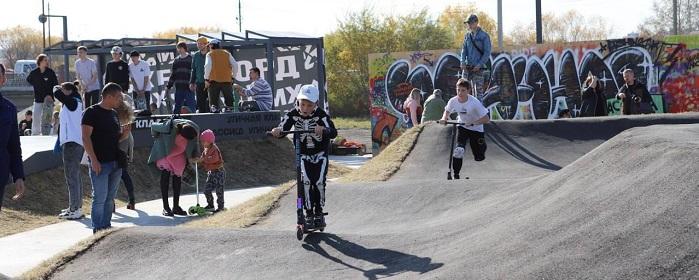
92, 19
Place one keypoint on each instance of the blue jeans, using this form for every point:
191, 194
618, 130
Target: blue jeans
104, 188
185, 97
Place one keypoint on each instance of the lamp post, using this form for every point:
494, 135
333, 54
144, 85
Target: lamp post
43, 18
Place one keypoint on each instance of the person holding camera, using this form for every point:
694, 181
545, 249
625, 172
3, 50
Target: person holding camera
594, 102
634, 96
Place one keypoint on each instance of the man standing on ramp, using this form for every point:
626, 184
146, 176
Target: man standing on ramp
471, 117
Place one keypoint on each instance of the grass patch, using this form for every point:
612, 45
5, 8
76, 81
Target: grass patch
383, 166
248, 163
352, 123
50, 266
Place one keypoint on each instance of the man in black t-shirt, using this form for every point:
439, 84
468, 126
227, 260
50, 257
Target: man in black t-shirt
117, 70
101, 133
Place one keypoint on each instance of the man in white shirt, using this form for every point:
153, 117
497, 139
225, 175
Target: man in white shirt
472, 116
139, 72
86, 70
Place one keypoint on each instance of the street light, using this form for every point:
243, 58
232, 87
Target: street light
43, 18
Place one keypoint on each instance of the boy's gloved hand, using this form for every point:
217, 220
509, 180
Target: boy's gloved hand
319, 130
276, 132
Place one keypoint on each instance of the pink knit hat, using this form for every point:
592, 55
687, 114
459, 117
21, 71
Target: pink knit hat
208, 136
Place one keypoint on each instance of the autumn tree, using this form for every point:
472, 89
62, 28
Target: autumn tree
21, 42
172, 33
570, 26
661, 22
361, 33
453, 17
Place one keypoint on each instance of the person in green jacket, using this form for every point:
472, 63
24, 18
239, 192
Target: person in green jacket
196, 80
433, 107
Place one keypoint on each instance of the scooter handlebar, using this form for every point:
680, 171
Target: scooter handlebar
269, 133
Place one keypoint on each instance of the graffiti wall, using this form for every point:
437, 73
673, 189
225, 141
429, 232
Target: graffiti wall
539, 81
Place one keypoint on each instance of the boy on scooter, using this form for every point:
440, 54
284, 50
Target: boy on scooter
472, 116
313, 151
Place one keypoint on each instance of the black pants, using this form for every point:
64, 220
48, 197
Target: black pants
4, 180
478, 147
202, 98
128, 184
176, 187
249, 106
314, 169
92, 98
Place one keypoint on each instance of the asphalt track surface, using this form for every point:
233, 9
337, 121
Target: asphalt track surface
563, 199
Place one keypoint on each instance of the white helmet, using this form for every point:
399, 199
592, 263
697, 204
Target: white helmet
308, 92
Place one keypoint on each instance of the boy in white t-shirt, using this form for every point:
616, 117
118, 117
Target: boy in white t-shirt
472, 115
139, 72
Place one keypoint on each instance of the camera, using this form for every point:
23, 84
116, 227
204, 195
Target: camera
636, 99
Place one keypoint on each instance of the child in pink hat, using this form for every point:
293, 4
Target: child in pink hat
212, 160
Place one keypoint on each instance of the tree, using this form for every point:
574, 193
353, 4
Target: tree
453, 17
570, 26
661, 22
171, 33
347, 52
21, 42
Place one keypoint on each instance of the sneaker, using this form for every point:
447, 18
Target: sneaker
63, 214
209, 208
219, 209
75, 215
178, 211
131, 206
456, 176
320, 221
167, 212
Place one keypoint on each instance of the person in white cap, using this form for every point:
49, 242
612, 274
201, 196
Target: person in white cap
314, 149
117, 70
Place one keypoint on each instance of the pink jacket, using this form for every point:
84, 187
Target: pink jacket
175, 161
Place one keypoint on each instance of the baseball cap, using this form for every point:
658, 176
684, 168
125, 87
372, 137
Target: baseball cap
116, 49
308, 92
203, 40
472, 18
215, 42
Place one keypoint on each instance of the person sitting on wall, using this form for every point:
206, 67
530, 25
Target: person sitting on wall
25, 125
259, 90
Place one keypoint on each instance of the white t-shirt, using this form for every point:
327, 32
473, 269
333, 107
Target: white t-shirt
469, 111
138, 72
85, 69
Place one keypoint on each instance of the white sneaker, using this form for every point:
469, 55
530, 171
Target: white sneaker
75, 215
63, 214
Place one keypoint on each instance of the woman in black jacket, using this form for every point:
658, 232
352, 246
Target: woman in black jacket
594, 102
43, 79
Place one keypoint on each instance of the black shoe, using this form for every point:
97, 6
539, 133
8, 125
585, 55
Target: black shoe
178, 211
320, 221
220, 208
209, 208
167, 212
456, 176
310, 222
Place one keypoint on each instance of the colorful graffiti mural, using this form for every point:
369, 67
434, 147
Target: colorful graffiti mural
539, 81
